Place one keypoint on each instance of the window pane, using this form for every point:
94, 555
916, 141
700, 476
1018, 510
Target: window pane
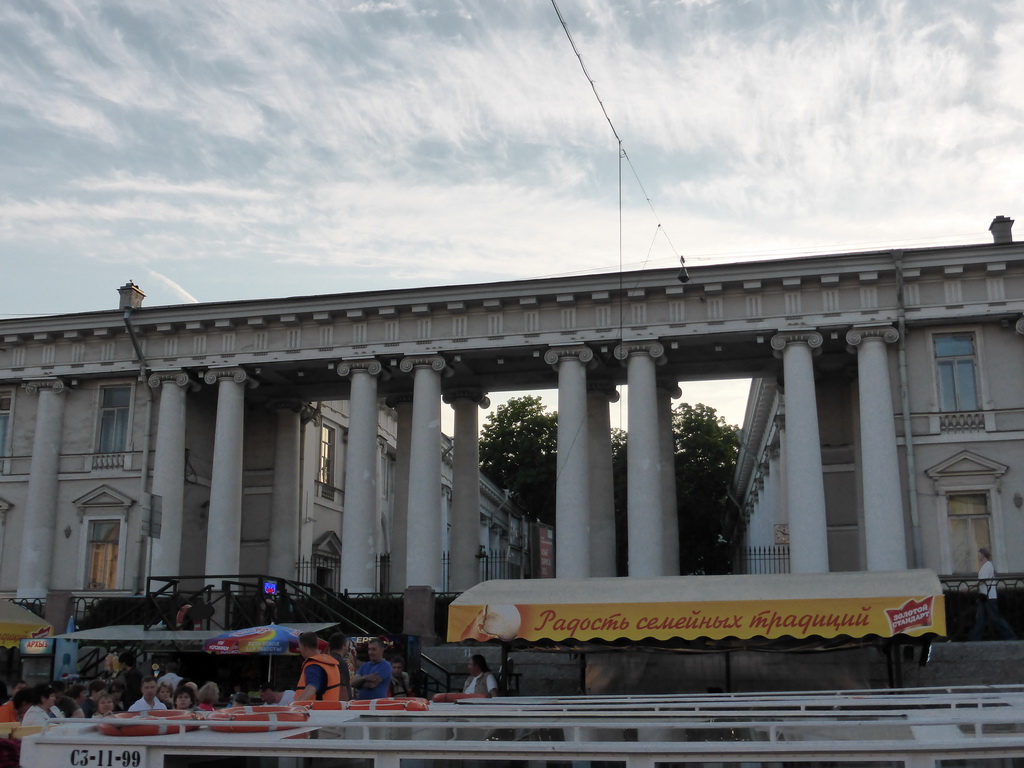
960, 544
967, 393
947, 387
959, 345
4, 417
101, 571
980, 534
117, 397
968, 504
113, 436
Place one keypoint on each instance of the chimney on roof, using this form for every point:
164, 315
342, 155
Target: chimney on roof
1000, 228
130, 295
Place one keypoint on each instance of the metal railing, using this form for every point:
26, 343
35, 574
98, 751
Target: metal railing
762, 560
961, 593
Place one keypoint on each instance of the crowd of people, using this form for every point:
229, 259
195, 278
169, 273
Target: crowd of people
332, 675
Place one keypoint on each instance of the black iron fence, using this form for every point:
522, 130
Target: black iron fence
762, 560
961, 593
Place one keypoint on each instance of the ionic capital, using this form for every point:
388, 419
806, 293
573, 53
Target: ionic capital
434, 362
35, 386
368, 365
401, 398
669, 387
782, 339
603, 388
237, 375
579, 352
473, 395
178, 378
653, 349
1019, 327
885, 333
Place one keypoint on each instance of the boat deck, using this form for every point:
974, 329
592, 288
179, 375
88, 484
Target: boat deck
933, 728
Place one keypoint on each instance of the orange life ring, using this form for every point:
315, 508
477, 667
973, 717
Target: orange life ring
321, 706
441, 698
406, 703
257, 719
179, 620
155, 722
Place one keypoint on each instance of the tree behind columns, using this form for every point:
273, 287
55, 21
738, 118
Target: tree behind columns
518, 451
705, 459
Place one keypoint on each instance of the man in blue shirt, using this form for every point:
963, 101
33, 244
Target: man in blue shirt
373, 678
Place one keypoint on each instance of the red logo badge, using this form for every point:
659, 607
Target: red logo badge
913, 614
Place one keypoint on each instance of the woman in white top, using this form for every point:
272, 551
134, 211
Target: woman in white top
480, 678
42, 709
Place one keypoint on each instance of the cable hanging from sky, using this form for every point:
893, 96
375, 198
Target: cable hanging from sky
623, 155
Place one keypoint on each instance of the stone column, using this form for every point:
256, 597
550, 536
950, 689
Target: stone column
884, 528
285, 512
360, 513
37, 542
463, 565
224, 531
643, 464
805, 487
423, 563
400, 522
572, 487
169, 468
668, 391
602, 487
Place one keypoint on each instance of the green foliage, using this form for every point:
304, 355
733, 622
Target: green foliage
706, 452
518, 451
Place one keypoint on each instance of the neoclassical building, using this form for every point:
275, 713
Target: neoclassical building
851, 355
892, 433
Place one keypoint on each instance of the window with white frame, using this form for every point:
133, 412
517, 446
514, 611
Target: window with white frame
328, 453
6, 404
956, 371
970, 528
115, 410
103, 551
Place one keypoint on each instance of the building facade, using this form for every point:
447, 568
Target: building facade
911, 420
230, 406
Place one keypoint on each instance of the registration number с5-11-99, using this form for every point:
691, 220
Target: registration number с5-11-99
105, 758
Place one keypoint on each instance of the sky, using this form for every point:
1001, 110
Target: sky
245, 149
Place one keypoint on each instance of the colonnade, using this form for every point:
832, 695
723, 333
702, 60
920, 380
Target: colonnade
585, 529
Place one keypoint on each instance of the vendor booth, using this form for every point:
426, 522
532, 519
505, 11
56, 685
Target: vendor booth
783, 612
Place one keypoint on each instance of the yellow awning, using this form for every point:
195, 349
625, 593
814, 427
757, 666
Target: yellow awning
770, 607
17, 623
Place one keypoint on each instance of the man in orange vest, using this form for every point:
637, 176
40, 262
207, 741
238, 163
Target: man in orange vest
320, 678
15, 709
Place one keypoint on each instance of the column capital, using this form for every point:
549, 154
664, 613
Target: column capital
605, 388
670, 387
580, 352
305, 410
807, 336
370, 365
1019, 326
434, 362
885, 333
473, 395
178, 378
654, 349
237, 375
397, 399
35, 386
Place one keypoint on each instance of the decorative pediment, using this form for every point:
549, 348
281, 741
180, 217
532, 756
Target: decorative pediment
328, 544
966, 464
103, 498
